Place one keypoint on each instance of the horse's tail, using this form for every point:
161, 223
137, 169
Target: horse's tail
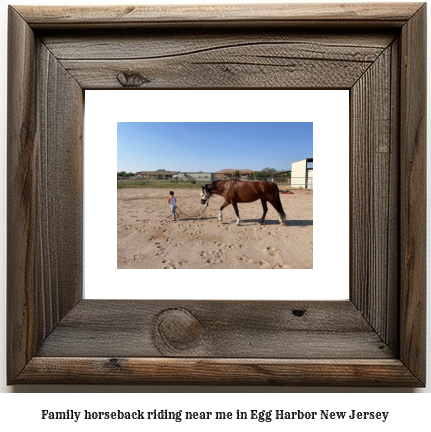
280, 207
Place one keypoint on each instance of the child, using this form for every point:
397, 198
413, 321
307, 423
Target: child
173, 202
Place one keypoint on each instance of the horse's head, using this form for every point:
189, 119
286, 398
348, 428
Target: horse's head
205, 194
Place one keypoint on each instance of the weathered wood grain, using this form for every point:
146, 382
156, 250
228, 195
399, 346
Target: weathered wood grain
312, 14
140, 44
53, 336
59, 182
250, 66
44, 193
21, 194
392, 303
226, 329
218, 60
329, 372
233, 70
374, 194
413, 194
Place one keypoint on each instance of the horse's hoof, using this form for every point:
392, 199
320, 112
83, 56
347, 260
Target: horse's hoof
260, 222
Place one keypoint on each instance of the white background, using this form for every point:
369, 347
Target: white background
329, 113
23, 410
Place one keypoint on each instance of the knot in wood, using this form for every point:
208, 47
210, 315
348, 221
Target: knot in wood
131, 79
115, 363
178, 329
298, 312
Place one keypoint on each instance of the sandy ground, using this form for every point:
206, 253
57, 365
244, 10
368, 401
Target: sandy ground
147, 238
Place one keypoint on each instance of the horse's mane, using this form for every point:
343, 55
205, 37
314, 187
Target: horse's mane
213, 185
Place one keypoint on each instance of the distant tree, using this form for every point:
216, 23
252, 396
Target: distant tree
200, 171
236, 174
161, 170
125, 174
284, 173
268, 172
265, 173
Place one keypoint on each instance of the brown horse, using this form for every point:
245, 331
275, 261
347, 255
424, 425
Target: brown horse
235, 191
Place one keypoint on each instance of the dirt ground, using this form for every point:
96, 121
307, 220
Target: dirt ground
147, 238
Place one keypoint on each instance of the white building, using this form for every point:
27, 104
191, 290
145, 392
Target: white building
198, 176
302, 175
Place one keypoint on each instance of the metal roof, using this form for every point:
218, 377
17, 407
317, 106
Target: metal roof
307, 159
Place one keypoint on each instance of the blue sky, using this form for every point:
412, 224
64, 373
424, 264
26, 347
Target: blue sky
211, 147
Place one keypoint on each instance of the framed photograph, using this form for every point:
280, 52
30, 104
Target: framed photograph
253, 239
130, 228
376, 337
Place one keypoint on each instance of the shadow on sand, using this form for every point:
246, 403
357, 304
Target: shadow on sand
302, 223
298, 222
191, 218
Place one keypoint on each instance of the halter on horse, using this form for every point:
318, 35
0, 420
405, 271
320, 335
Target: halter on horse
235, 191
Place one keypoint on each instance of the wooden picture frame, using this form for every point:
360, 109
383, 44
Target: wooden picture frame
376, 338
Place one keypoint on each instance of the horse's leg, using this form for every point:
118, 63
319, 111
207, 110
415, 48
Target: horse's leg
225, 204
235, 207
265, 210
274, 203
